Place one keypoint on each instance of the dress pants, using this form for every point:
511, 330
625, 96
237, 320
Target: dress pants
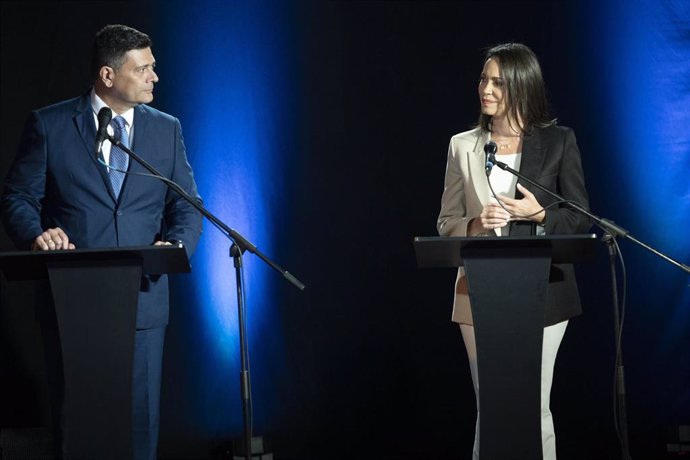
553, 335
146, 385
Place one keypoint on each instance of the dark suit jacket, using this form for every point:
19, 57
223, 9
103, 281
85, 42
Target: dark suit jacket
56, 181
549, 156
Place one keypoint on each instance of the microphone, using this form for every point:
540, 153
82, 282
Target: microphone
104, 117
490, 151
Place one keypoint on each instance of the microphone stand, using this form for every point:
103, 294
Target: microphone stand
239, 245
607, 225
611, 232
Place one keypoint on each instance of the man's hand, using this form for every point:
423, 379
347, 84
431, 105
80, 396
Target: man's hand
52, 239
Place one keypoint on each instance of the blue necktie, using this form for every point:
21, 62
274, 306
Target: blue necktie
118, 158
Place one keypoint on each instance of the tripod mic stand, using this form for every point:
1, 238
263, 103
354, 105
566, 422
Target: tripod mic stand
239, 246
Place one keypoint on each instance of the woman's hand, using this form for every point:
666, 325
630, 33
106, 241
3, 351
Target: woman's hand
492, 217
527, 206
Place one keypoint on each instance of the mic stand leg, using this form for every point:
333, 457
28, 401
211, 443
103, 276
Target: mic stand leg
245, 382
619, 379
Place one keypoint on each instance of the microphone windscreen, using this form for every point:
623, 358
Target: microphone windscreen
104, 117
490, 148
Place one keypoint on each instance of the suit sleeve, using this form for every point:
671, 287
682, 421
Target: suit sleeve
571, 185
25, 186
183, 221
453, 219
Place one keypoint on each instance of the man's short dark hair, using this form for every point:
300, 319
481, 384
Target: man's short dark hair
112, 43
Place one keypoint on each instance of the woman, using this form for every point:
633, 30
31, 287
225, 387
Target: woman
514, 114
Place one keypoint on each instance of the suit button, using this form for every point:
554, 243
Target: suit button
119, 213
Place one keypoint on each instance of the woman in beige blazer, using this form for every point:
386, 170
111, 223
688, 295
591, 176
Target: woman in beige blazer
514, 114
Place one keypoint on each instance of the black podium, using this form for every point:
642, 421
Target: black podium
507, 280
95, 294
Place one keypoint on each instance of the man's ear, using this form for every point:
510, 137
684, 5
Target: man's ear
106, 75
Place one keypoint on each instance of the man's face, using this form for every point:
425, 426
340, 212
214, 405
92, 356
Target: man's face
133, 81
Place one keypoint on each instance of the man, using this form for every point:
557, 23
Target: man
58, 196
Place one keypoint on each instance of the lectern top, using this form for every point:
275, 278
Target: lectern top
154, 260
447, 251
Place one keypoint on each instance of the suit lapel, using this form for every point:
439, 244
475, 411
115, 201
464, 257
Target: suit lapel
140, 129
138, 145
84, 120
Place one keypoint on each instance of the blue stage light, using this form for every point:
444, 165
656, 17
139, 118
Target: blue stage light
643, 54
222, 70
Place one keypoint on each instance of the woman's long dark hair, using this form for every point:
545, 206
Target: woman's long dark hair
525, 90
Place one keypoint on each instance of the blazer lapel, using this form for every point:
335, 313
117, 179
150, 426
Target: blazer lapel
533, 156
477, 170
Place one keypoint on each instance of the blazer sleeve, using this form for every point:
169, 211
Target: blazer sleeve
562, 219
182, 220
25, 186
453, 219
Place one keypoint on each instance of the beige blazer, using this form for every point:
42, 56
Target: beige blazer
465, 193
551, 157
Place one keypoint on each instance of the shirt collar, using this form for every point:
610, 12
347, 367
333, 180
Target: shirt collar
97, 104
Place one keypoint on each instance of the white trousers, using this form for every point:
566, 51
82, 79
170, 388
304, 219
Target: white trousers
553, 335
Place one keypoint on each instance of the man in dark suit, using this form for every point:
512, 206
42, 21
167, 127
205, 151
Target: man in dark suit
58, 195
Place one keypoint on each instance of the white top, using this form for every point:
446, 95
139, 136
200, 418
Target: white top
503, 182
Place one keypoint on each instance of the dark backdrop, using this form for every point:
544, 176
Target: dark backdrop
372, 367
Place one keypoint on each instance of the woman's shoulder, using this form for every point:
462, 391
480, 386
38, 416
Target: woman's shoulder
554, 130
470, 136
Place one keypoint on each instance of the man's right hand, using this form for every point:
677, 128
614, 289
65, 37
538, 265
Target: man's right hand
52, 239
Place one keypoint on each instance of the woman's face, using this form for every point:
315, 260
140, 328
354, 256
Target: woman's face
492, 90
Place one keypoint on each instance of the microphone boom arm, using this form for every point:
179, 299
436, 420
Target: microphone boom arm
607, 225
241, 241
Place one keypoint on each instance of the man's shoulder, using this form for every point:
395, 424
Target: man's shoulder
154, 115
65, 106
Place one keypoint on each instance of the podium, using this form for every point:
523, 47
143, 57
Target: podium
507, 280
95, 294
